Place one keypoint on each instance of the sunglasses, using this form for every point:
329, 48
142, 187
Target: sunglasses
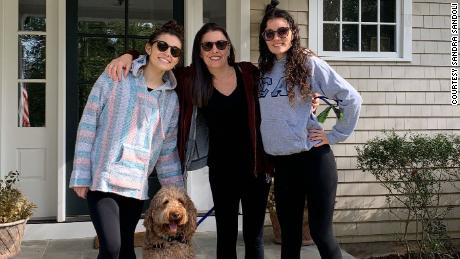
163, 46
220, 45
269, 35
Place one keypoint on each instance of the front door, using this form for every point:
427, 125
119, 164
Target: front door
29, 110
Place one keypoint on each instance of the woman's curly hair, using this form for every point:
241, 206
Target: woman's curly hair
297, 72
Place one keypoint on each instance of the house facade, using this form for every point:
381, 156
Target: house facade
396, 53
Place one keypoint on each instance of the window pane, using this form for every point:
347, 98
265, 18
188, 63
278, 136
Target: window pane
387, 38
369, 11
94, 54
214, 11
144, 15
102, 17
137, 44
350, 10
387, 10
32, 57
369, 38
31, 104
83, 93
350, 37
331, 37
32, 15
331, 10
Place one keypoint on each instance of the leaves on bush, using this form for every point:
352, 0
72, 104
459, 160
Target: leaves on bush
13, 205
414, 169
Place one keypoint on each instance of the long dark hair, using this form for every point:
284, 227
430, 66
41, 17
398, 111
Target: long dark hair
296, 71
202, 79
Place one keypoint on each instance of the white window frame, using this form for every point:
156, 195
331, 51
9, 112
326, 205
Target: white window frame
403, 35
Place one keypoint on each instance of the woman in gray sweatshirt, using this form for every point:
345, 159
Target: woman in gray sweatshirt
303, 161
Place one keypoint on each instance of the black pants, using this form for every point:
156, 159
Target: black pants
115, 218
311, 174
228, 187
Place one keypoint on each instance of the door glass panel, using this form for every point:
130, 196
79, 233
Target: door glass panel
215, 11
137, 44
31, 104
101, 17
32, 57
145, 15
94, 54
32, 14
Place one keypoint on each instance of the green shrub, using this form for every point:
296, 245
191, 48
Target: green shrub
415, 169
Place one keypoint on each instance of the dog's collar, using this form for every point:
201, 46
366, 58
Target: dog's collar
178, 238
169, 239
157, 246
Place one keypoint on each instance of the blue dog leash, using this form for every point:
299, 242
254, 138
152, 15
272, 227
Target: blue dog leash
205, 216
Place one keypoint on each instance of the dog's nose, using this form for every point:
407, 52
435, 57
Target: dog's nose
174, 215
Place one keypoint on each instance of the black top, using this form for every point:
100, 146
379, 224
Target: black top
227, 119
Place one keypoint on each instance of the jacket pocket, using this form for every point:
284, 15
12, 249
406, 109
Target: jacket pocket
130, 171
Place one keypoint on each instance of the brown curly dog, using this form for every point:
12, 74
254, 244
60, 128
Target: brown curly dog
170, 223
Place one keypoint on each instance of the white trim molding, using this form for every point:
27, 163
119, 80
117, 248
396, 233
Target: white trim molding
2, 103
238, 27
403, 36
61, 120
2, 83
193, 20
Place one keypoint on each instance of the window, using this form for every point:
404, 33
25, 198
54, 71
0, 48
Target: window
32, 63
361, 29
214, 11
108, 28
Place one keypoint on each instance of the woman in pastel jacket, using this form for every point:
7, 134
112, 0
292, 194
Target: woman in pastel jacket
127, 129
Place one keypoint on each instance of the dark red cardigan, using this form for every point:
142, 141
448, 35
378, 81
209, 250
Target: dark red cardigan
250, 75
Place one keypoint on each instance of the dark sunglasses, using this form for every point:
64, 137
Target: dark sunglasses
269, 35
220, 44
163, 46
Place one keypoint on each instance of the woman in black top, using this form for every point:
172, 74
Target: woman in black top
219, 93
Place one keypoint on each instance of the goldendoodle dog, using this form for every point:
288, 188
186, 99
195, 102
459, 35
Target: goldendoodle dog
170, 223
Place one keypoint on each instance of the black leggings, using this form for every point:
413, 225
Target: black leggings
228, 187
115, 218
312, 174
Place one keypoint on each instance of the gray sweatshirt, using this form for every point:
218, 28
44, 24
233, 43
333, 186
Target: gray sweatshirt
284, 127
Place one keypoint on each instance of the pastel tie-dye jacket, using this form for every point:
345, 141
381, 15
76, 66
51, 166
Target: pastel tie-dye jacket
125, 132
